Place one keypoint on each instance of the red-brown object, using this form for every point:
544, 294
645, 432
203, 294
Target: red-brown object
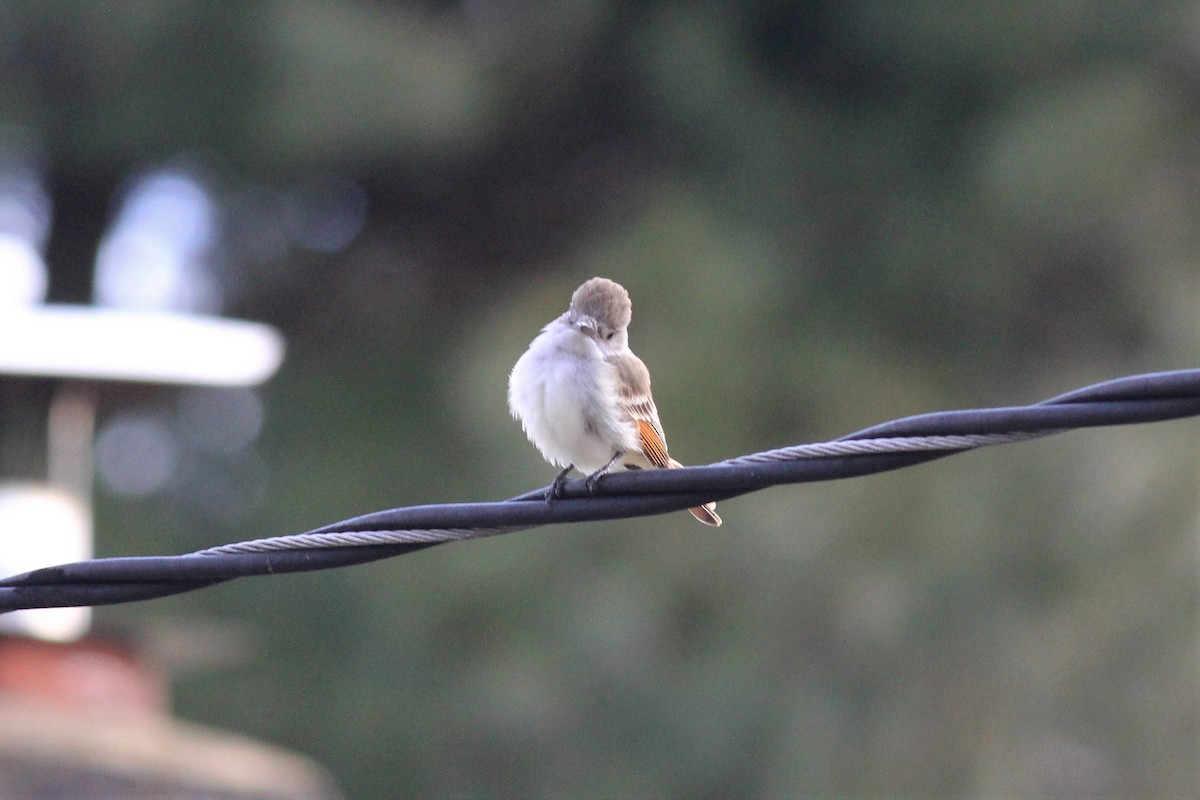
92, 674
92, 719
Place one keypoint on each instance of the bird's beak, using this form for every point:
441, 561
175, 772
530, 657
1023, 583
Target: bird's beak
586, 325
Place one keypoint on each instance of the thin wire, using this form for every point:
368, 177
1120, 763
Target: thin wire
300, 541
894, 444
383, 534
897, 444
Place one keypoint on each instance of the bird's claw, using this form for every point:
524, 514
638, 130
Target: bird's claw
555, 490
591, 480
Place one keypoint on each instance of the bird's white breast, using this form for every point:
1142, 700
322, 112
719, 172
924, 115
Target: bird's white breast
564, 394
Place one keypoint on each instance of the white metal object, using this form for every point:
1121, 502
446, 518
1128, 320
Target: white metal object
40, 526
43, 525
63, 341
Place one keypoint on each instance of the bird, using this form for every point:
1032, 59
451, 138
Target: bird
583, 398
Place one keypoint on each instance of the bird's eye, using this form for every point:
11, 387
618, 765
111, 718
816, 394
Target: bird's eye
609, 336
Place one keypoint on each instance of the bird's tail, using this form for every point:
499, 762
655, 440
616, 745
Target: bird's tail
706, 513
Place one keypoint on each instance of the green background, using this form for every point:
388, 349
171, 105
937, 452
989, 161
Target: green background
828, 215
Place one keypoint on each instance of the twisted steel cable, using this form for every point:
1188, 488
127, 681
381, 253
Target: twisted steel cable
891, 445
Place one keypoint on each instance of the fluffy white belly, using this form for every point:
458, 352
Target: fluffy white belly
559, 397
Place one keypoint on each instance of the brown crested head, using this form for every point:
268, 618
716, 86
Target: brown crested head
605, 301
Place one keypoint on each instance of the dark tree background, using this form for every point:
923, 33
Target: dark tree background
828, 215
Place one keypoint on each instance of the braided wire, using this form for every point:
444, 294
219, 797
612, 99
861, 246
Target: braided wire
316, 541
848, 447
887, 444
891, 445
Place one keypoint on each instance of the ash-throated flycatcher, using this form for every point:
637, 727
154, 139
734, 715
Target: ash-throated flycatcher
583, 397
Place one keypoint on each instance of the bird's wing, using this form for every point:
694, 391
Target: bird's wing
634, 388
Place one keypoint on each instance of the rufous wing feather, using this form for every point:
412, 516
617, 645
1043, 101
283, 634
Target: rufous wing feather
655, 450
637, 400
706, 513
653, 446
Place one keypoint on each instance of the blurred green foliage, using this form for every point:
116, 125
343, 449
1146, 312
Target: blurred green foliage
828, 215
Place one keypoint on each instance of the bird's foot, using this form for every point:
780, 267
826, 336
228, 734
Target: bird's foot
555, 490
591, 480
